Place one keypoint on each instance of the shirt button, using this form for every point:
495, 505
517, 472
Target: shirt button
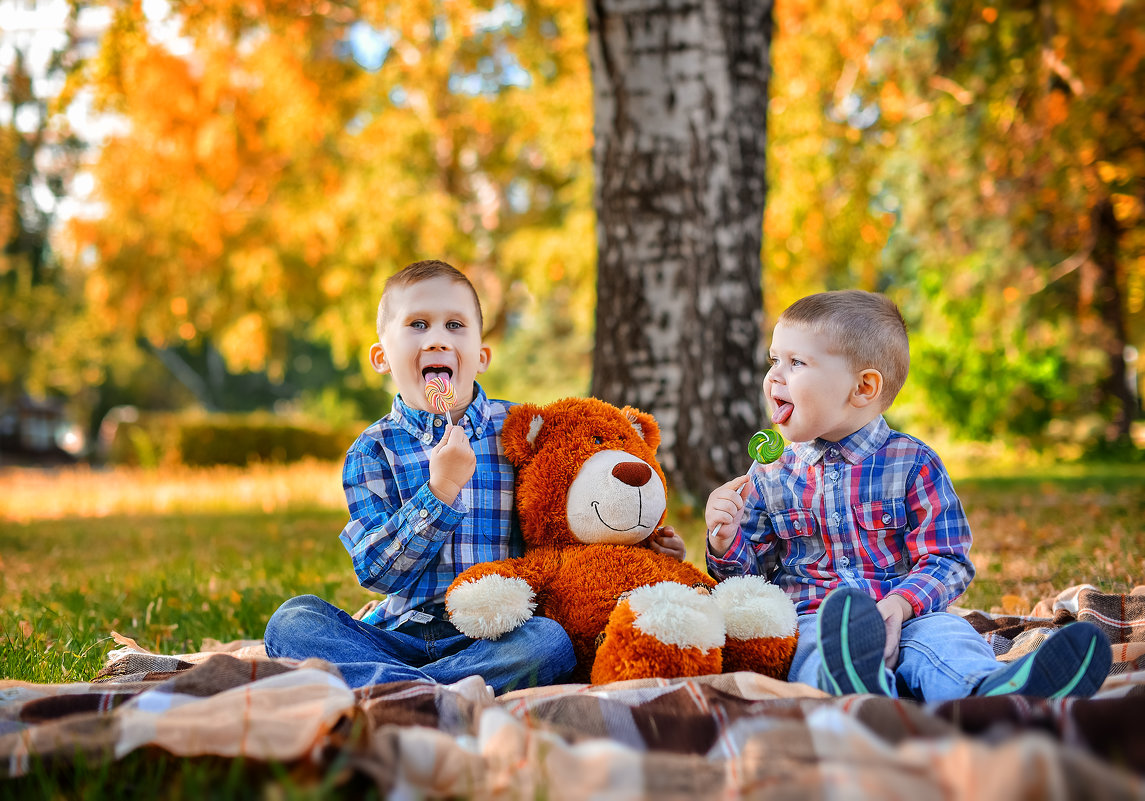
437, 422
844, 561
836, 517
423, 513
886, 519
427, 438
797, 526
834, 475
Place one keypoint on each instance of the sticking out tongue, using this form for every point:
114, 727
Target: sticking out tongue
783, 411
429, 375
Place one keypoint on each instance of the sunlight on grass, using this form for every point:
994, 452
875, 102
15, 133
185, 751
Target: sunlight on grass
31, 494
172, 557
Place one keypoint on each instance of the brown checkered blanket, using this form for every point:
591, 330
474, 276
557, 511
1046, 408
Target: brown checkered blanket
719, 737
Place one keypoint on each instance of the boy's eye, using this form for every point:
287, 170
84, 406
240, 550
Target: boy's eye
417, 324
453, 325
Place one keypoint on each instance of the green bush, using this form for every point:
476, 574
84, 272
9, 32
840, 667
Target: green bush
196, 440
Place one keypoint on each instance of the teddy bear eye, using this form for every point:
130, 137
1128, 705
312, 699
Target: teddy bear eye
598, 440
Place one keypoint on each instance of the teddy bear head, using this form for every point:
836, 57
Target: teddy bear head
586, 472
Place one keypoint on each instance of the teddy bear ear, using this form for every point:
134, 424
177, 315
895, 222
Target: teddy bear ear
519, 433
645, 425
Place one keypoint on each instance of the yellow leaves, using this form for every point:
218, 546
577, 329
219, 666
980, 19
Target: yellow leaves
1127, 208
1112, 173
244, 343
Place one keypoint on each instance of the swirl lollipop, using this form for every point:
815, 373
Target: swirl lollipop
439, 393
764, 447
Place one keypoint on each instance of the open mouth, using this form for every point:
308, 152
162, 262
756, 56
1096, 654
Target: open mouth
783, 410
432, 371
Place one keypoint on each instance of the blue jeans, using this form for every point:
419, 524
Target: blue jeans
941, 657
537, 653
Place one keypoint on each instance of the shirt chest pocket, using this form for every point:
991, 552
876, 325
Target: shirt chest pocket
882, 525
798, 531
490, 498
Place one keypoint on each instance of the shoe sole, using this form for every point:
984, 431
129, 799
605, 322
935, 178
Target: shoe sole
1035, 675
853, 663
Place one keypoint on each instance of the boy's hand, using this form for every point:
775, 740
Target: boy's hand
895, 610
665, 540
725, 510
451, 464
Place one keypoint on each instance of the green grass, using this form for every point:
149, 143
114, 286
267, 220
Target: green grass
171, 579
166, 581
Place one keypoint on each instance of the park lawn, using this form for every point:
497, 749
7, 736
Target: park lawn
169, 580
171, 570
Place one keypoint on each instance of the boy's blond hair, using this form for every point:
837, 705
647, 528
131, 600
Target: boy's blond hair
424, 271
866, 328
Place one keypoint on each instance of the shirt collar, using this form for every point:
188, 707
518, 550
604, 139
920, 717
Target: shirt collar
420, 423
853, 448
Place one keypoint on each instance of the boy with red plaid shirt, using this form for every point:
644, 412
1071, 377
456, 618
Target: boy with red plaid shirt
861, 526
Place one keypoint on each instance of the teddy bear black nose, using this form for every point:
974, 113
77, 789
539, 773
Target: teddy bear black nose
634, 474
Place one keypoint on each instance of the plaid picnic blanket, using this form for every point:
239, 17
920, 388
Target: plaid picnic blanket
717, 737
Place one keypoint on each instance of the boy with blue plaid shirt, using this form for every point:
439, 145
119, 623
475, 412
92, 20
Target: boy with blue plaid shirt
861, 526
429, 496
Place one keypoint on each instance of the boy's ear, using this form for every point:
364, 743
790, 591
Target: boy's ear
868, 388
378, 359
483, 358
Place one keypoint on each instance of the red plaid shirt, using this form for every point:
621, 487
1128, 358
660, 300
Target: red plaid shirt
876, 511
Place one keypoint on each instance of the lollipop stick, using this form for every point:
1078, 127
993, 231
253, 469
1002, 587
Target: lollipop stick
739, 492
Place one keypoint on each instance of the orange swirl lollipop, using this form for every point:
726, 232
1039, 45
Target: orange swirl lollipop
439, 393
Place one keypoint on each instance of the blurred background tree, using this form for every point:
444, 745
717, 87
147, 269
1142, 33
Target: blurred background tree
983, 164
271, 163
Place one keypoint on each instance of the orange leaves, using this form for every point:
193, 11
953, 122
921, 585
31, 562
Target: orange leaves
892, 102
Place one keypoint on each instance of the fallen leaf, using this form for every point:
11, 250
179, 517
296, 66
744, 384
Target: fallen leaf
1015, 605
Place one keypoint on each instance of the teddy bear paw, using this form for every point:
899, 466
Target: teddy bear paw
665, 630
487, 607
761, 626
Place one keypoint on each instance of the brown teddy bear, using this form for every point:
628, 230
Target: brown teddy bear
589, 494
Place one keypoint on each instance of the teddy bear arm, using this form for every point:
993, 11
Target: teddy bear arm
493, 598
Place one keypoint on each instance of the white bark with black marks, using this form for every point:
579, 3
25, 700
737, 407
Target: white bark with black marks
680, 101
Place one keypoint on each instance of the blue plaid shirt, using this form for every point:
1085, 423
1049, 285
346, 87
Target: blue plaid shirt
403, 540
876, 511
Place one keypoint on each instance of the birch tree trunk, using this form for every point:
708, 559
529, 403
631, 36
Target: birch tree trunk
680, 102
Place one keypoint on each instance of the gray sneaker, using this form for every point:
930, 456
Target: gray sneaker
1073, 661
851, 640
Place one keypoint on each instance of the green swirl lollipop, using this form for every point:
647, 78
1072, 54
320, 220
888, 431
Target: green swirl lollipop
765, 446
